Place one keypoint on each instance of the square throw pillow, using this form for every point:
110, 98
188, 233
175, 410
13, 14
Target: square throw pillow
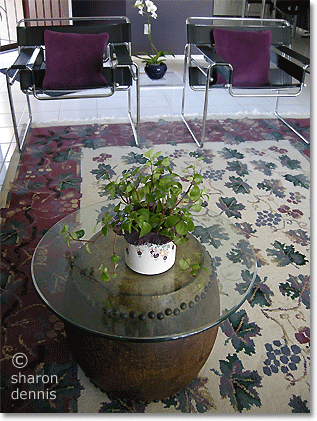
249, 54
74, 60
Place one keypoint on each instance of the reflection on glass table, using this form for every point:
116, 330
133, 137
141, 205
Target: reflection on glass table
170, 80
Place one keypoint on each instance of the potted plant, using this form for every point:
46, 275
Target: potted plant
155, 67
154, 213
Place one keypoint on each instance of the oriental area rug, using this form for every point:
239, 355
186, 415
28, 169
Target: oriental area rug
257, 174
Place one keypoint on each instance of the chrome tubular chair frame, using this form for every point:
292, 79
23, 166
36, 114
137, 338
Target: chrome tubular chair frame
118, 67
287, 70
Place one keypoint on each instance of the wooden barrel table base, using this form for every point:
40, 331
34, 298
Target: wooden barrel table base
141, 371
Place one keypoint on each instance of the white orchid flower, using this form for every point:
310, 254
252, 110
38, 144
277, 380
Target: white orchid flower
148, 8
151, 8
139, 4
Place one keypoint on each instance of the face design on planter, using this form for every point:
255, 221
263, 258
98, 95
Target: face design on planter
154, 250
141, 258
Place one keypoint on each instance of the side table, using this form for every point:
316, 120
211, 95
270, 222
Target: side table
137, 336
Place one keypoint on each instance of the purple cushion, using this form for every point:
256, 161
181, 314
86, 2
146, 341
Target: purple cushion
249, 54
74, 60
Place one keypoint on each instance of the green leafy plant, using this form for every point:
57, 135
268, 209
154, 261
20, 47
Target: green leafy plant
153, 206
149, 9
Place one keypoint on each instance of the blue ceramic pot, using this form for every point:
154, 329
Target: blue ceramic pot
155, 71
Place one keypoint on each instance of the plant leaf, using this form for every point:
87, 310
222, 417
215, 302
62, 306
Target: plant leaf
115, 258
149, 153
79, 234
145, 228
104, 275
181, 228
183, 264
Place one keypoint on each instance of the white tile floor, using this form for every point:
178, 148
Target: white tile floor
160, 102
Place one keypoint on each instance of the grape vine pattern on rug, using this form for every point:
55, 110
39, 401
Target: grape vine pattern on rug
257, 176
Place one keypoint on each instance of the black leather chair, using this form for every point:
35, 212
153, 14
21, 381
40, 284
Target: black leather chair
291, 10
118, 68
286, 72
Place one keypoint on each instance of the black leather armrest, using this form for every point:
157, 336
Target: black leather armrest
27, 58
297, 56
219, 63
122, 54
295, 70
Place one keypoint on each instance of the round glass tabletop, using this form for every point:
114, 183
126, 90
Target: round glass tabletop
131, 306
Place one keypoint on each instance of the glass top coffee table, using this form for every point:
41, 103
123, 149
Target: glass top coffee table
170, 80
157, 317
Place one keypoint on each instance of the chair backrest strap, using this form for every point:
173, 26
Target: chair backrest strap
118, 28
199, 30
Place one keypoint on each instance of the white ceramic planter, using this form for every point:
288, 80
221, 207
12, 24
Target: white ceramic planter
150, 259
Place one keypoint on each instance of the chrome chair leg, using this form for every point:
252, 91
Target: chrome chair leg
135, 124
205, 110
287, 124
186, 71
203, 134
184, 78
185, 74
19, 141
